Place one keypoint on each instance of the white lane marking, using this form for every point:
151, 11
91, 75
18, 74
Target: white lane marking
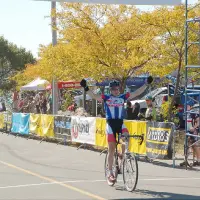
170, 179
26, 185
52, 183
93, 181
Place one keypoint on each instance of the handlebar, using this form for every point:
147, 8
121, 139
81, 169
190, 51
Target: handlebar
192, 135
131, 136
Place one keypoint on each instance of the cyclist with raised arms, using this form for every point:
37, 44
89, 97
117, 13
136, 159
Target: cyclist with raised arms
114, 108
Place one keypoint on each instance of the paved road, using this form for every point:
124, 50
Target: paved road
30, 170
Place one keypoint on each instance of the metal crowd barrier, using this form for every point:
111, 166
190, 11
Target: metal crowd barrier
158, 137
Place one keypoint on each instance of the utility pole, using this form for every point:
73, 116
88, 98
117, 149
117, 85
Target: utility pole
54, 42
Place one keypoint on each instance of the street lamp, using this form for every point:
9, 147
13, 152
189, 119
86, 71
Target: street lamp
54, 42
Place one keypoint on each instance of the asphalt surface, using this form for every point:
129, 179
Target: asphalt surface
30, 170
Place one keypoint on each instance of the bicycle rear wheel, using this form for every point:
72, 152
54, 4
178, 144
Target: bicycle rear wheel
130, 172
114, 168
189, 158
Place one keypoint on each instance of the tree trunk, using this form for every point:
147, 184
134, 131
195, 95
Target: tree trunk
176, 89
123, 85
102, 104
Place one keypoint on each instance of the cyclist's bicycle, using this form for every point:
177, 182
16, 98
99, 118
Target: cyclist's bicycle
189, 154
128, 165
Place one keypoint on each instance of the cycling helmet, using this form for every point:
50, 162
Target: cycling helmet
149, 97
114, 83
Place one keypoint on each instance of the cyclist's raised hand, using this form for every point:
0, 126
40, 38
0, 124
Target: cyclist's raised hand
149, 80
83, 84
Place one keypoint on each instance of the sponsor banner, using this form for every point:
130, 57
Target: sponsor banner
137, 128
46, 127
34, 123
100, 136
66, 84
5, 115
83, 129
138, 143
8, 121
20, 123
62, 126
2, 125
159, 140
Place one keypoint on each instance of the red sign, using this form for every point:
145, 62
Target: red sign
65, 84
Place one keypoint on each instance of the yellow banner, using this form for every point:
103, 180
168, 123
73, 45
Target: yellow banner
46, 126
137, 144
157, 151
1, 121
34, 123
100, 138
137, 128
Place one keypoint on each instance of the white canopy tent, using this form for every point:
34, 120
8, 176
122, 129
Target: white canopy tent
37, 84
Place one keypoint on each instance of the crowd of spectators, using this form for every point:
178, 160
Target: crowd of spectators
33, 102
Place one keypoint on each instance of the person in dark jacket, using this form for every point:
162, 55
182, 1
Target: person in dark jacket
129, 110
136, 110
132, 111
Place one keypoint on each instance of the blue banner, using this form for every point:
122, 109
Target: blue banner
20, 123
137, 81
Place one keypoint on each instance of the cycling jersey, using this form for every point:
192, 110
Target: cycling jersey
114, 105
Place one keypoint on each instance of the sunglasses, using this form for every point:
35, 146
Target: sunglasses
115, 89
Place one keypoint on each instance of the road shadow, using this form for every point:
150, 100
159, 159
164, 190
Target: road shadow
150, 195
159, 163
169, 165
90, 148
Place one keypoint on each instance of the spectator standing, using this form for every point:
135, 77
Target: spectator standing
129, 110
132, 111
151, 111
37, 103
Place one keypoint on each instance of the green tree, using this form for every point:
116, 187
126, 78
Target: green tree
12, 60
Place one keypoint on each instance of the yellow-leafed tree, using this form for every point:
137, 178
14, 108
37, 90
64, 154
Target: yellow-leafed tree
169, 23
103, 41
97, 41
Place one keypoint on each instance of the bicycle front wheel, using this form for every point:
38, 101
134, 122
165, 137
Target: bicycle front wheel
130, 173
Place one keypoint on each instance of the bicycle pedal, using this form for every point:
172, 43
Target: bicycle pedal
119, 170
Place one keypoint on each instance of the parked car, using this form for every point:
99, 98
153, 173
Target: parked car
158, 95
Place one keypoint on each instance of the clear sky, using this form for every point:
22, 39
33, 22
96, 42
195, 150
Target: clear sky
23, 22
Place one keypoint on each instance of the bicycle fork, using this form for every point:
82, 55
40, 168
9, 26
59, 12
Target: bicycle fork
126, 145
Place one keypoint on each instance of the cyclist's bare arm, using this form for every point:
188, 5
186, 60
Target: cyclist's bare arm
138, 92
94, 96
197, 123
